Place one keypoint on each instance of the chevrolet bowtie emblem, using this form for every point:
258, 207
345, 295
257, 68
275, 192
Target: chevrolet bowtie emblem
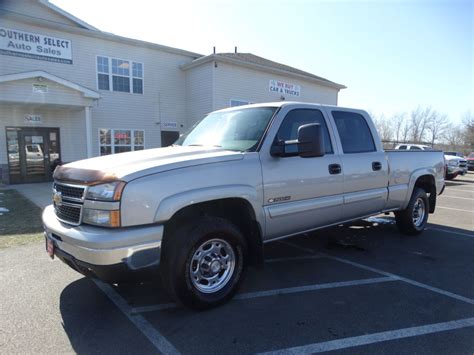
57, 198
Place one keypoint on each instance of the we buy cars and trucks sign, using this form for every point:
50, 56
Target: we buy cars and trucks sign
284, 88
35, 46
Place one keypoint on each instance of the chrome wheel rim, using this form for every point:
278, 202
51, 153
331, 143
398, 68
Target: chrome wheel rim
418, 213
212, 265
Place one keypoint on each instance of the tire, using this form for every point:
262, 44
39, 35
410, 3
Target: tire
450, 176
410, 221
210, 248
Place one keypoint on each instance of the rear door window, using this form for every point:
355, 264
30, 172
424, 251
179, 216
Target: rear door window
354, 132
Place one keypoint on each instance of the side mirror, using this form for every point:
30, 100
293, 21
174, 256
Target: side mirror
310, 141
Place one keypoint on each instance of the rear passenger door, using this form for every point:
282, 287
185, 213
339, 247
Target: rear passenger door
363, 163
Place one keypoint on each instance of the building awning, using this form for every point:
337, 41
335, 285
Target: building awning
42, 88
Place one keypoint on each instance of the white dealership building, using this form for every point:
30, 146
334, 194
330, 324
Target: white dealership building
69, 91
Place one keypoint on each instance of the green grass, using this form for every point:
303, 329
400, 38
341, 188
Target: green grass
22, 224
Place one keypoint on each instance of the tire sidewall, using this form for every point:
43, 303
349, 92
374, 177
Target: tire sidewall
419, 194
185, 290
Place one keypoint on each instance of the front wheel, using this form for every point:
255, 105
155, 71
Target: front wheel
413, 219
204, 263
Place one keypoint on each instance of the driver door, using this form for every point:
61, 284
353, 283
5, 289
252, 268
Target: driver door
300, 193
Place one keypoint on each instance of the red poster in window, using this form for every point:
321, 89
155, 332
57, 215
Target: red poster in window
119, 135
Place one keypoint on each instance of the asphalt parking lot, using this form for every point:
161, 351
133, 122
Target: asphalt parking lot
360, 288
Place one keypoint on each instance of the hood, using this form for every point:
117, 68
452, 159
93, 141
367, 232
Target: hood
452, 157
131, 165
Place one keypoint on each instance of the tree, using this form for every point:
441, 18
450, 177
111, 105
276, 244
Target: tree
468, 130
400, 127
384, 127
419, 119
454, 137
436, 126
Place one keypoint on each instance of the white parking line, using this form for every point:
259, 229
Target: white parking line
153, 335
351, 342
454, 209
404, 279
298, 289
464, 190
460, 198
278, 291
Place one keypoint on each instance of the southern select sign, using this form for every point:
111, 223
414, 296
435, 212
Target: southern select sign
35, 46
281, 87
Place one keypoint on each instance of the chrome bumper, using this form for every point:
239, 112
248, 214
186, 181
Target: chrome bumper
137, 247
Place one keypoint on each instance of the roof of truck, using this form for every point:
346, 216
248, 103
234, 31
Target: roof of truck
289, 103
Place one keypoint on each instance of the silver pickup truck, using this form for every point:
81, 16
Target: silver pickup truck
198, 213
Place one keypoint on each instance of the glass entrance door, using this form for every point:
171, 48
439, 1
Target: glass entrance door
33, 154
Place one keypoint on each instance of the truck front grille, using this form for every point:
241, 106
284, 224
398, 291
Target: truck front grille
68, 200
70, 192
68, 212
463, 163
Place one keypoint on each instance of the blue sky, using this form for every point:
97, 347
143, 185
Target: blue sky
392, 55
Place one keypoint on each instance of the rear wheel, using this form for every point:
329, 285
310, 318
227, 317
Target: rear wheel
204, 263
413, 219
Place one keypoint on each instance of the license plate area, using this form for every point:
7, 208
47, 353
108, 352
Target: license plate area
50, 247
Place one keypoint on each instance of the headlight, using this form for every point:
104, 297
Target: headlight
101, 217
111, 191
453, 163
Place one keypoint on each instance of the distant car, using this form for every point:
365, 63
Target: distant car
455, 166
470, 161
413, 147
455, 154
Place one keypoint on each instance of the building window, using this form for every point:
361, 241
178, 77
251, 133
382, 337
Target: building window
234, 103
113, 141
119, 75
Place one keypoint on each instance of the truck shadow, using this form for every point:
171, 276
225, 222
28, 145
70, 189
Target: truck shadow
94, 325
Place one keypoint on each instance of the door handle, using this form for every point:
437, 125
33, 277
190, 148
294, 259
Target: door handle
376, 165
334, 169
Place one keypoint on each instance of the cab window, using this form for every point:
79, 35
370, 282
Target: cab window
296, 118
354, 132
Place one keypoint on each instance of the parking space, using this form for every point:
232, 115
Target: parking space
359, 288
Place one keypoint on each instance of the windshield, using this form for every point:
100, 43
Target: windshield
450, 153
471, 155
240, 129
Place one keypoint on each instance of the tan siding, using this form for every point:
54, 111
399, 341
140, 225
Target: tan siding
164, 83
71, 125
33, 9
235, 82
199, 92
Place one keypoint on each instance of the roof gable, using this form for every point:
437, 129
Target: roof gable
254, 61
44, 10
88, 93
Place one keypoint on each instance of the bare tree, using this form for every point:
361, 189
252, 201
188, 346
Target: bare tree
454, 137
468, 130
436, 126
384, 127
419, 119
399, 122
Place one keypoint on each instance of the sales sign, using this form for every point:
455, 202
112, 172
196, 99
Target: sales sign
19, 43
281, 87
33, 118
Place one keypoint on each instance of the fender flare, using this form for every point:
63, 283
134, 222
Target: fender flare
413, 178
174, 203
